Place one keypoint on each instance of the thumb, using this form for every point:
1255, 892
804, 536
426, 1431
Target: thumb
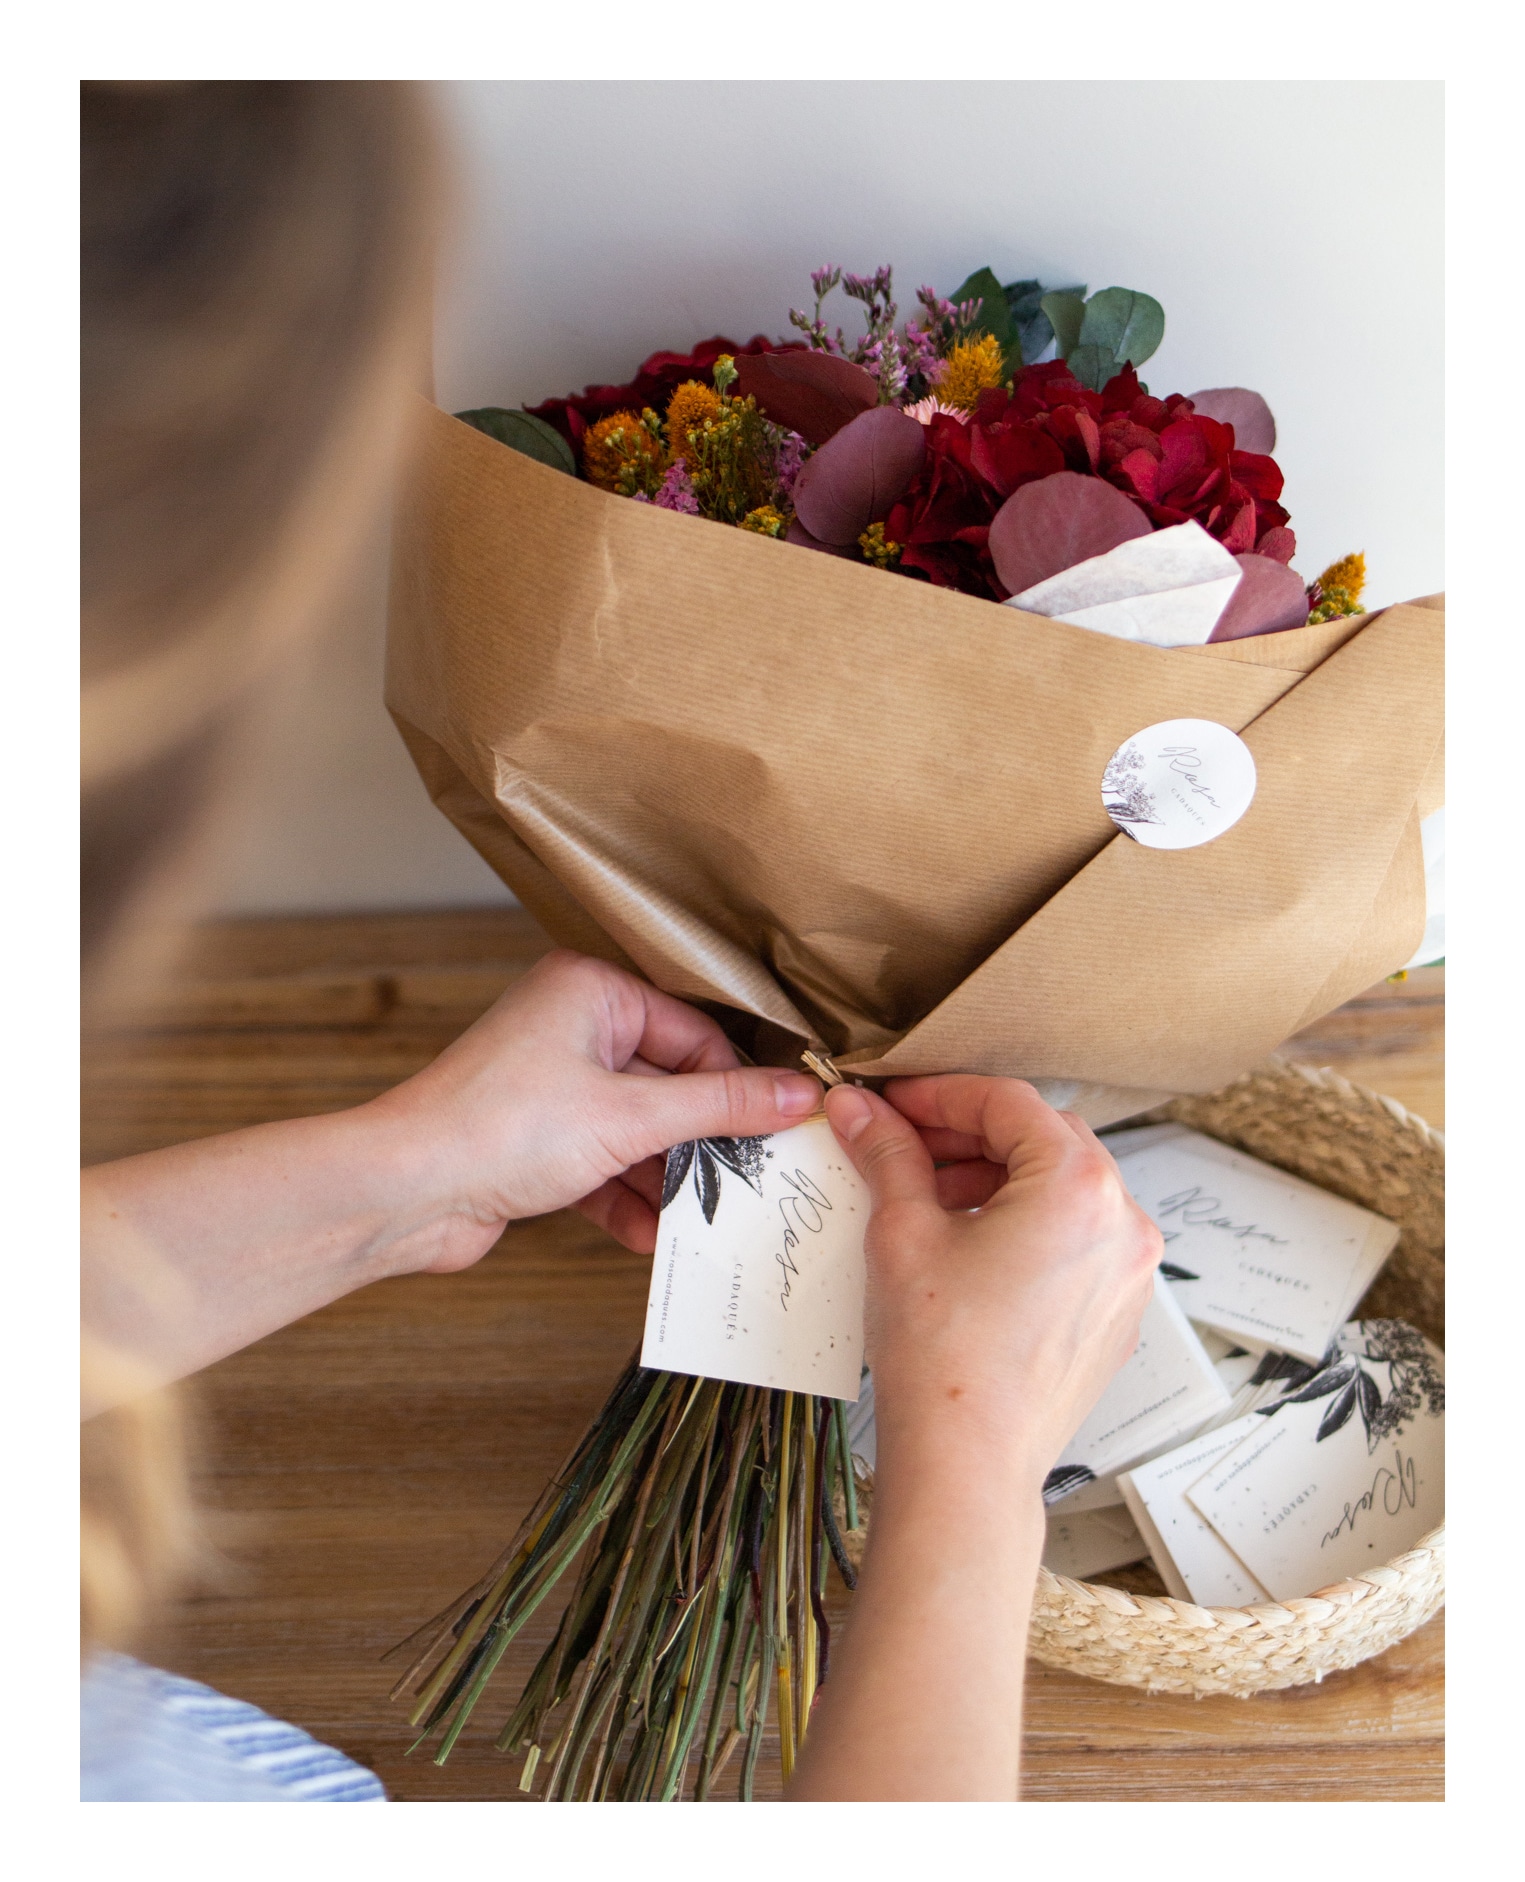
886, 1151
746, 1101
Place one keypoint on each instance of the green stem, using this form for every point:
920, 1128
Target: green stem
845, 1453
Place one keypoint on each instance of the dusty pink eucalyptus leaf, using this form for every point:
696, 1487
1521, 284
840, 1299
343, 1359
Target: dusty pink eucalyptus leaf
1270, 598
1246, 411
1279, 544
798, 533
858, 476
815, 394
1050, 525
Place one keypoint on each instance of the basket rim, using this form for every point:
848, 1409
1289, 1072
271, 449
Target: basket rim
1268, 1615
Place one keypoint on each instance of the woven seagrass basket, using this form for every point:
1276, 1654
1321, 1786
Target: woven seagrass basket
1369, 1149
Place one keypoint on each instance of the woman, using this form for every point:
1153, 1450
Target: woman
256, 264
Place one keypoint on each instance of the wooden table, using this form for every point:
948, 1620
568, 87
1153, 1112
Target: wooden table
361, 1467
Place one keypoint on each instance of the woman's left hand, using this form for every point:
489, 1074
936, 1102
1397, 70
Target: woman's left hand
567, 1093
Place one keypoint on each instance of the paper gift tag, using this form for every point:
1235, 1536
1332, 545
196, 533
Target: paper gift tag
1089, 1542
1179, 783
758, 1273
1194, 1562
1165, 1389
1345, 1474
1256, 1253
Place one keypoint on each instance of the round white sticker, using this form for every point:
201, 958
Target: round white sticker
1179, 783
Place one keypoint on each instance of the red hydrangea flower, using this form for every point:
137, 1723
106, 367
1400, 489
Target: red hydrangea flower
1176, 463
654, 384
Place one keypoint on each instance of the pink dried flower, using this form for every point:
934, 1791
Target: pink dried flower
677, 492
925, 410
791, 454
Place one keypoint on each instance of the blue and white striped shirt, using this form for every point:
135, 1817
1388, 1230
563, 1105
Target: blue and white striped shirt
148, 1736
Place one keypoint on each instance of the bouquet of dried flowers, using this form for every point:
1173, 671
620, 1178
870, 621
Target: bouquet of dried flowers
558, 671
911, 447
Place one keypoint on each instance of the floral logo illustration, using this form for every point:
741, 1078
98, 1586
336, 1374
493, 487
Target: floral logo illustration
1122, 791
706, 1157
1342, 1377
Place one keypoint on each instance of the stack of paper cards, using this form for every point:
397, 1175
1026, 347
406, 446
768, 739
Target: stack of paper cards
758, 1273
1193, 1563
1165, 1390
1254, 1253
1346, 1471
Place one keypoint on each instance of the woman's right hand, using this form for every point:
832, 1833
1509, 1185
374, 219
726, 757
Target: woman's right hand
999, 1328
1004, 1290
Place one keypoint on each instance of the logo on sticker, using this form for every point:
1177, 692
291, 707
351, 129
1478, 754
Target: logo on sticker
1179, 783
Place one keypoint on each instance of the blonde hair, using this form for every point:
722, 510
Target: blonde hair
255, 272
139, 1539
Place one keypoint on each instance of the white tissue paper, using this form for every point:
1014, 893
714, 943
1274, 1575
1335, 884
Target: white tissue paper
1169, 589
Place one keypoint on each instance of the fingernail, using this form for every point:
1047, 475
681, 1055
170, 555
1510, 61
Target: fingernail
795, 1094
850, 1112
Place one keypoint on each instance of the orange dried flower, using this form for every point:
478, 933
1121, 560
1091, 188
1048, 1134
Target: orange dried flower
690, 406
623, 450
1349, 574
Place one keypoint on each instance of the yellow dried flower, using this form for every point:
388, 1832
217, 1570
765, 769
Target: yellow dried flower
689, 407
624, 453
766, 521
1348, 573
876, 549
1337, 591
973, 367
731, 462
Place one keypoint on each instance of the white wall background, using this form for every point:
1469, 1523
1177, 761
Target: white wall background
1292, 232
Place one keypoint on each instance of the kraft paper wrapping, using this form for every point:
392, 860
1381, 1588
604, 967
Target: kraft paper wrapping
848, 810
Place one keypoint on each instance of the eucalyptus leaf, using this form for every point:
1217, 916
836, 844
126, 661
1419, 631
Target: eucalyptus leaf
1064, 311
993, 317
1022, 298
1029, 324
1033, 328
1123, 323
521, 431
1092, 365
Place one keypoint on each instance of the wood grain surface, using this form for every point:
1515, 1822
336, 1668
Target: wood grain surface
361, 1467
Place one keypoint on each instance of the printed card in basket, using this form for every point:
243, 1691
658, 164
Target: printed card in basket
1250, 1250
1345, 1474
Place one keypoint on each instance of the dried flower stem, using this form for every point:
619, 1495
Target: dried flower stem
696, 1516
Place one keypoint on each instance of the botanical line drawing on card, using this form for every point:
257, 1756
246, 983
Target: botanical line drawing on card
706, 1156
1343, 1378
1123, 793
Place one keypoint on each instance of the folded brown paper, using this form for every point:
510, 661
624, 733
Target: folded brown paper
850, 810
